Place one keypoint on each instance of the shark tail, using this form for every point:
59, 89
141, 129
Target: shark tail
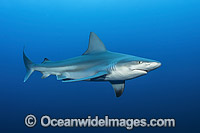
29, 66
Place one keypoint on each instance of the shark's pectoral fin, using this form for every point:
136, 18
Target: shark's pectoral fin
87, 78
118, 87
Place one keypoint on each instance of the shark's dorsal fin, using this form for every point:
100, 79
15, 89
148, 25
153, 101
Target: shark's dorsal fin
95, 45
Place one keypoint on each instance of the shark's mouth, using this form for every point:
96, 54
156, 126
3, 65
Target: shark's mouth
142, 70
138, 70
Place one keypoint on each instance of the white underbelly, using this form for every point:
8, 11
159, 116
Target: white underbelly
123, 75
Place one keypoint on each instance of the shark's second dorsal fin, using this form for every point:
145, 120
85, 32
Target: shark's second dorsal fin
45, 60
95, 45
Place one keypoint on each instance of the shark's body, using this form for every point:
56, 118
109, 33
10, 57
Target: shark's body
96, 64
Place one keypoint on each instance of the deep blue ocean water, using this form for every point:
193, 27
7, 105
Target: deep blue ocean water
163, 30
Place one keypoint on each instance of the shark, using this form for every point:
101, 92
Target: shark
95, 64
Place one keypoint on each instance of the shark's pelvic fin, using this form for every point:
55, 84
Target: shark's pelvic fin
118, 87
95, 45
87, 78
62, 76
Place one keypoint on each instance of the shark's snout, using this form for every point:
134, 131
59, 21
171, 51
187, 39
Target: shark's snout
157, 64
154, 65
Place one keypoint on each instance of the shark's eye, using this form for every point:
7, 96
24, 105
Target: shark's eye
140, 62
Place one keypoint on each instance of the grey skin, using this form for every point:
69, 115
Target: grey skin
96, 64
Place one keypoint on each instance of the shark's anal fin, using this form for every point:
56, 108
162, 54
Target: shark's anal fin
45, 75
87, 78
95, 45
118, 87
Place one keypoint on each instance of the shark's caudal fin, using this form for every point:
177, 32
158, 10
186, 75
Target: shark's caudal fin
95, 45
29, 66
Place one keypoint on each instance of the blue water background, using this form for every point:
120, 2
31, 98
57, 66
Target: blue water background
163, 30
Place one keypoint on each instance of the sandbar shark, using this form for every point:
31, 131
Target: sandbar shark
95, 64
